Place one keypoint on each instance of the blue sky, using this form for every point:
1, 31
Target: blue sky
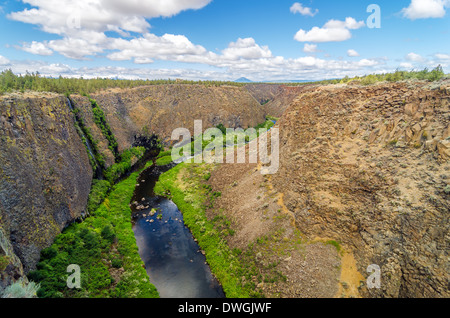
262, 40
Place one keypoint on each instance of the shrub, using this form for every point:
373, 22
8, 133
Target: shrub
4, 261
48, 253
20, 289
98, 194
108, 234
117, 263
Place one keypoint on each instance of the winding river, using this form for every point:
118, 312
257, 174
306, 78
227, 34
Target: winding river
173, 259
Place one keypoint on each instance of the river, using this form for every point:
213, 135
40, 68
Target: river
173, 259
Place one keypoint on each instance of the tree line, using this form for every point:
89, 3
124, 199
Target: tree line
10, 82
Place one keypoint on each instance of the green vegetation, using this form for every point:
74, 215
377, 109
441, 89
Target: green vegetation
211, 235
100, 121
34, 81
98, 194
4, 261
268, 124
426, 75
335, 244
21, 289
103, 242
10, 82
127, 159
163, 161
98, 161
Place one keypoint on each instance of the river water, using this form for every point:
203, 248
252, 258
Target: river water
173, 259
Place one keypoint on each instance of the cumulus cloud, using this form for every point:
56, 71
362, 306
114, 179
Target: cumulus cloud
423, 9
352, 53
150, 46
332, 31
4, 61
441, 56
246, 49
38, 48
83, 24
83, 36
299, 8
406, 65
310, 48
413, 57
66, 16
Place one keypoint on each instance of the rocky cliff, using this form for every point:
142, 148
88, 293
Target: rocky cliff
284, 97
365, 168
369, 167
45, 177
161, 109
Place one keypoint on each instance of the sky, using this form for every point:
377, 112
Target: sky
262, 40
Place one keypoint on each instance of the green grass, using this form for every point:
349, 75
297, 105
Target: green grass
335, 244
98, 194
163, 161
223, 262
113, 173
99, 244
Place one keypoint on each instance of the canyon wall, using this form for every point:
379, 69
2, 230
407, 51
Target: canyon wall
369, 167
160, 109
45, 177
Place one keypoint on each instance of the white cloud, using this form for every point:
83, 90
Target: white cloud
423, 9
406, 65
352, 53
150, 46
299, 8
310, 48
4, 60
38, 48
82, 28
413, 57
332, 31
246, 49
440, 56
64, 17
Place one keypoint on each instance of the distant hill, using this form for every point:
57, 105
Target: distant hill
243, 80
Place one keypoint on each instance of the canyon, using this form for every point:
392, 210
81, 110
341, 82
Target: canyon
364, 168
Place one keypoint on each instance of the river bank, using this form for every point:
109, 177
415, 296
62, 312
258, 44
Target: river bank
104, 247
173, 259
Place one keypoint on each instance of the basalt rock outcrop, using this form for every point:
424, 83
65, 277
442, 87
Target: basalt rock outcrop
161, 109
45, 177
369, 167
284, 97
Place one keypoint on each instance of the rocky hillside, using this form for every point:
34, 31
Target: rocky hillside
263, 93
163, 108
45, 177
284, 97
365, 168
369, 167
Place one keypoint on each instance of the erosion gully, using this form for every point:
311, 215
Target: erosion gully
172, 257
